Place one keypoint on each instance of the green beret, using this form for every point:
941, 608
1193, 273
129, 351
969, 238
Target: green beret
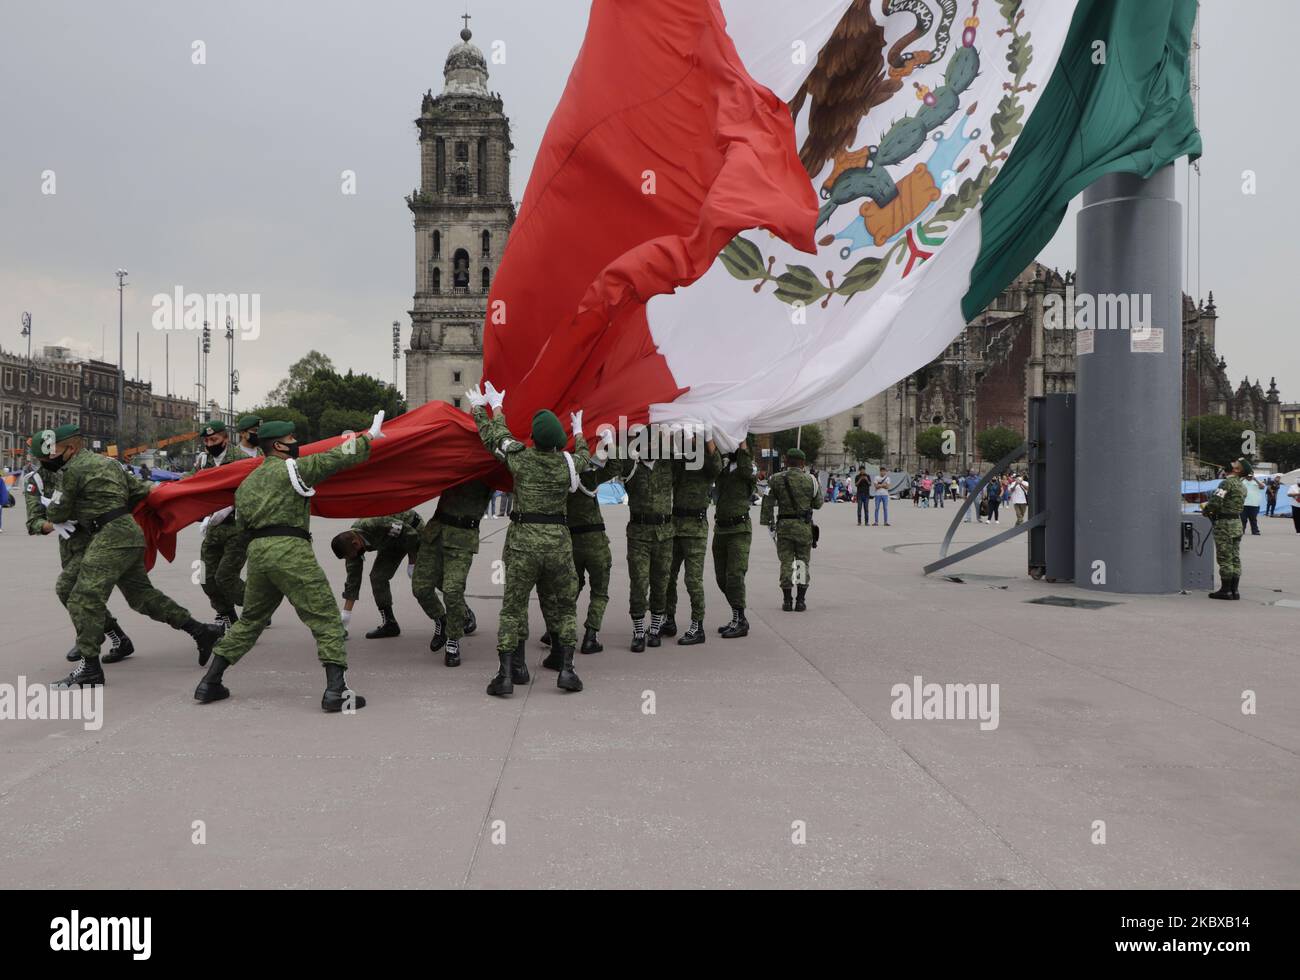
547, 431
1247, 468
43, 437
248, 422
66, 432
213, 427
275, 429
796, 454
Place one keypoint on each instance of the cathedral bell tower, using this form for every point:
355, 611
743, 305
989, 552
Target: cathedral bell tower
462, 214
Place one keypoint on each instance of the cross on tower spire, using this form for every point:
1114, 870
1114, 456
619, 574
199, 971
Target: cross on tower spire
466, 32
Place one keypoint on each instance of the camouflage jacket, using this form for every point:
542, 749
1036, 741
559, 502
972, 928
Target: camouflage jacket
793, 492
649, 491
397, 533
41, 483
736, 485
542, 482
91, 486
268, 497
1228, 500
584, 508
467, 501
692, 490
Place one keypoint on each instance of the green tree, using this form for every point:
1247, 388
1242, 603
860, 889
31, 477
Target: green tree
1282, 448
929, 443
863, 445
350, 392
1215, 439
300, 372
336, 421
282, 413
996, 442
810, 442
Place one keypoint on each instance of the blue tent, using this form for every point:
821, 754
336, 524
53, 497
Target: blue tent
611, 493
1206, 487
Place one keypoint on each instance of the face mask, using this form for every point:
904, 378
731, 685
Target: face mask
252, 439
291, 448
55, 463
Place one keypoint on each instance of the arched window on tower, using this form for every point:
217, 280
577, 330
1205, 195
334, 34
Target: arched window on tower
460, 269
487, 279
482, 166
441, 171
437, 280
487, 244
437, 244
462, 185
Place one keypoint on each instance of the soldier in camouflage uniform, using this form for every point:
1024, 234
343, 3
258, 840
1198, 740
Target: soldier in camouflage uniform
591, 558
246, 428
37, 486
448, 544
273, 509
795, 494
391, 538
96, 496
692, 490
223, 551
732, 534
649, 485
1224, 509
538, 552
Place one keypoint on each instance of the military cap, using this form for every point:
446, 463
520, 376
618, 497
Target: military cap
275, 429
547, 431
43, 437
1247, 468
66, 432
213, 427
248, 422
796, 454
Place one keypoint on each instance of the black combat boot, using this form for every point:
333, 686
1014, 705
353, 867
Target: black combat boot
501, 686
739, 628
799, 604
451, 657
87, 673
387, 625
726, 626
694, 634
669, 626
638, 634
787, 603
553, 659
547, 642
656, 627
591, 642
210, 688
439, 634
72, 656
1225, 588
519, 666
471, 622
121, 648
205, 636
1236, 581
568, 680
338, 696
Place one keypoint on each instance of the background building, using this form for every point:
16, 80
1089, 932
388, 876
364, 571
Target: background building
463, 214
52, 398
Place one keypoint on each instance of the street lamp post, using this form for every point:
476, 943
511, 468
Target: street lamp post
230, 368
27, 399
397, 349
203, 366
121, 358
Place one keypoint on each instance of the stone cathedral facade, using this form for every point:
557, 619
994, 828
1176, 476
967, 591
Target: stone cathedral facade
463, 214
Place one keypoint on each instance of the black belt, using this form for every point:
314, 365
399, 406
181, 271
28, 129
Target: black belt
519, 518
650, 518
585, 528
805, 516
699, 515
279, 531
468, 523
1228, 517
97, 524
736, 521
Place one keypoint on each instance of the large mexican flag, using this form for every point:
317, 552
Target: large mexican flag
756, 213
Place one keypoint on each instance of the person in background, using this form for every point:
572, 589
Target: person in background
940, 487
882, 495
1018, 495
927, 486
1294, 494
6, 499
1270, 495
862, 484
1254, 500
993, 498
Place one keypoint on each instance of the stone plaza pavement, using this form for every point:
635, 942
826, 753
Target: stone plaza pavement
1129, 714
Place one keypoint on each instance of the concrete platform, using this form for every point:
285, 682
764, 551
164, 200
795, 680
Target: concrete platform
1131, 715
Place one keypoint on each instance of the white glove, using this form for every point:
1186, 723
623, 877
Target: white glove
203, 525
576, 420
66, 529
346, 615
475, 397
410, 570
376, 426
215, 519
494, 398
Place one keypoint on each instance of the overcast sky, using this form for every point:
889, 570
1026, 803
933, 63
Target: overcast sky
225, 176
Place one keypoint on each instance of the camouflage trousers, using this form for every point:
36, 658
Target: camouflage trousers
731, 563
101, 570
687, 551
795, 554
592, 561
382, 570
286, 568
649, 563
551, 572
1227, 546
68, 578
223, 553
439, 567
